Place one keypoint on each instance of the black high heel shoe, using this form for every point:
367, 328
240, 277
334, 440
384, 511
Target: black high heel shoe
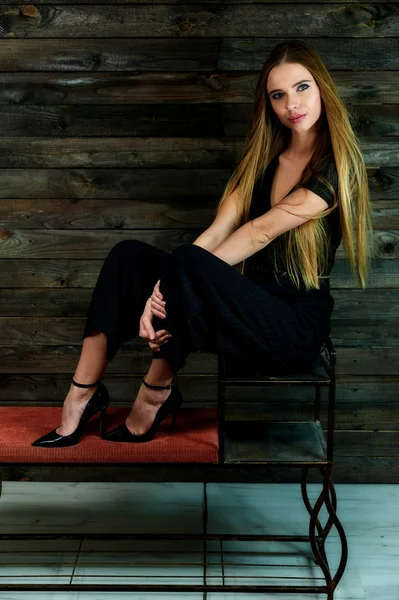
98, 402
171, 405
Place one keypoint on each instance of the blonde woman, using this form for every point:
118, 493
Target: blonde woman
256, 283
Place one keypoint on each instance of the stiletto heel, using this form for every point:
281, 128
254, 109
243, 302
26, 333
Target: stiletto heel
98, 402
171, 405
173, 426
103, 429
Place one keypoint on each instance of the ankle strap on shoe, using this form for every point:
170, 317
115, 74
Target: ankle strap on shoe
85, 385
157, 387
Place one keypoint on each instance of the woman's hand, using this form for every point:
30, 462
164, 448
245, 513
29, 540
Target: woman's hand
157, 302
155, 339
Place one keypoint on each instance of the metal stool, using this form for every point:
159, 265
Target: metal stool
289, 444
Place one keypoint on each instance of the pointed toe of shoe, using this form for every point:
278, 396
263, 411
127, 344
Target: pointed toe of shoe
54, 440
45, 440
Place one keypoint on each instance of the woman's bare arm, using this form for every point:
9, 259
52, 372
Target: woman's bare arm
223, 225
291, 212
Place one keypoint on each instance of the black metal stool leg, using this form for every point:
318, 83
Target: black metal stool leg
318, 548
330, 523
204, 531
318, 545
321, 531
331, 508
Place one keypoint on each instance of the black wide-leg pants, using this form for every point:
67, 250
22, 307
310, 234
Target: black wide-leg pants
210, 307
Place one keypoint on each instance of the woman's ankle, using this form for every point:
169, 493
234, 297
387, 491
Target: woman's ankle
162, 383
159, 372
76, 392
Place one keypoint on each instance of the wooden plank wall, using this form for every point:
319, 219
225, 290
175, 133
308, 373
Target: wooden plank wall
124, 120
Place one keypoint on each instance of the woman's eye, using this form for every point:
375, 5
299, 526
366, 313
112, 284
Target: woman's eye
279, 93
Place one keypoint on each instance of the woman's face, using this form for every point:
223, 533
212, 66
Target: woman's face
288, 97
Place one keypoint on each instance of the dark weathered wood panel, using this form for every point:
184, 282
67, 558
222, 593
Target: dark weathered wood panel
145, 54
53, 243
132, 152
364, 416
363, 401
353, 333
129, 215
116, 183
367, 361
385, 214
134, 357
358, 332
73, 301
201, 20
63, 359
160, 88
250, 53
142, 144
165, 183
365, 443
62, 273
64, 123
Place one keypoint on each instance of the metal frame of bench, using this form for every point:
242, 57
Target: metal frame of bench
249, 452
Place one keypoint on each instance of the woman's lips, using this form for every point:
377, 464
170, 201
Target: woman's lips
297, 119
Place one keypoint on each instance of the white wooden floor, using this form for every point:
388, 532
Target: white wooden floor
369, 514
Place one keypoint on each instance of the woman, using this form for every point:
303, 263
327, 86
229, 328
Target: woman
255, 284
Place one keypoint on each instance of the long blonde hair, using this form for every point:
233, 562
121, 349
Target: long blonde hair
306, 246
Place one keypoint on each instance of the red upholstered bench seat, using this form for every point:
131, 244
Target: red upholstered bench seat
195, 439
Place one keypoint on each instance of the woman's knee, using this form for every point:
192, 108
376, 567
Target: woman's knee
128, 247
187, 252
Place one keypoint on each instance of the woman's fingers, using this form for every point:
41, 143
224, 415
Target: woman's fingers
157, 290
161, 334
158, 307
148, 326
156, 346
159, 341
142, 331
158, 301
161, 338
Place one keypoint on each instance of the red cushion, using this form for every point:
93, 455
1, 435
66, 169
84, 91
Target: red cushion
195, 439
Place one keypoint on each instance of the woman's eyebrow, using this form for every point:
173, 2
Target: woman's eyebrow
295, 84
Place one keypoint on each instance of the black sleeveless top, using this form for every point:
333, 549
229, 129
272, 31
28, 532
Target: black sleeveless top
260, 267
